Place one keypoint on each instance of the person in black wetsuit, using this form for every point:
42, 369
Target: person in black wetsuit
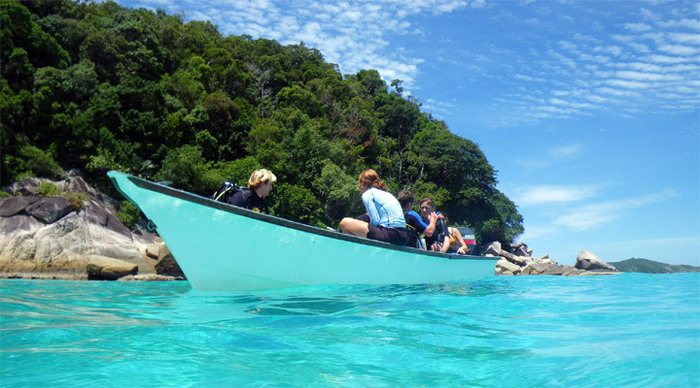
414, 220
259, 187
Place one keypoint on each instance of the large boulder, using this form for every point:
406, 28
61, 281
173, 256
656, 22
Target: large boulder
589, 261
505, 267
167, 265
107, 268
543, 268
50, 209
493, 249
16, 205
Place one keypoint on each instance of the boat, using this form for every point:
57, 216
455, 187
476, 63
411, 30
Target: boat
226, 248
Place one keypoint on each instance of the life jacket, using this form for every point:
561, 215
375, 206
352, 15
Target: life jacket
420, 241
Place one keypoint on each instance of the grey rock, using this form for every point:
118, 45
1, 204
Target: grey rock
589, 261
167, 265
18, 223
16, 205
597, 273
153, 250
98, 214
28, 186
50, 209
107, 268
572, 271
521, 250
493, 249
539, 268
151, 277
505, 267
519, 260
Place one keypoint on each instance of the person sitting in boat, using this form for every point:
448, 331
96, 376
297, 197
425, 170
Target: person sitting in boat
440, 240
259, 187
386, 220
456, 243
414, 220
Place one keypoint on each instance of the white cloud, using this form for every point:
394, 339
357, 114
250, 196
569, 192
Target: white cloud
438, 108
547, 194
593, 216
685, 38
628, 84
567, 151
643, 76
693, 24
637, 27
676, 49
554, 155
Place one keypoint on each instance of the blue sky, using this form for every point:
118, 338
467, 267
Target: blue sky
589, 110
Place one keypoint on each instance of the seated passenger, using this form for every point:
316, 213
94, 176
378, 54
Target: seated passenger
440, 239
386, 221
444, 239
456, 244
414, 221
259, 187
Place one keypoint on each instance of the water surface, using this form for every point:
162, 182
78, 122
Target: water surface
626, 330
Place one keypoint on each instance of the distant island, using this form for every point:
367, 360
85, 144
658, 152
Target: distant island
650, 266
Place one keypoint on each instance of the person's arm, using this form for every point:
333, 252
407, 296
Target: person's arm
371, 207
430, 228
458, 236
445, 244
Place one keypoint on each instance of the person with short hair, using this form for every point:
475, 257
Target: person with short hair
414, 220
440, 239
259, 187
444, 239
386, 220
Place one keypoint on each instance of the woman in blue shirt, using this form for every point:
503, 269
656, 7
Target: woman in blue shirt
386, 220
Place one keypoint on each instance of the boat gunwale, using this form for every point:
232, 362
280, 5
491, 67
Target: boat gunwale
208, 202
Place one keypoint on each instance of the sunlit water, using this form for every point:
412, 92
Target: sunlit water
630, 330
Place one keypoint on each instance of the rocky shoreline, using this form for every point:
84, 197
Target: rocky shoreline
53, 237
519, 261
77, 236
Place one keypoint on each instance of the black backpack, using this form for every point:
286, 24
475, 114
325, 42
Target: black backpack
227, 190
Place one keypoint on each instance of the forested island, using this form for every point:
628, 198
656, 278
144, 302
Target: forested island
97, 86
651, 266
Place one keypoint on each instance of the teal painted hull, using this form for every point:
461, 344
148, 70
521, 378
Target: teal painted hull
222, 247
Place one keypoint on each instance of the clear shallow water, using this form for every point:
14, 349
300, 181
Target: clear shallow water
630, 330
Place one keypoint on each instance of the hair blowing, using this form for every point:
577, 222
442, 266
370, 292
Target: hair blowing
370, 178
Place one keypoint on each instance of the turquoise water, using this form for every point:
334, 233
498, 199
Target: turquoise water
626, 330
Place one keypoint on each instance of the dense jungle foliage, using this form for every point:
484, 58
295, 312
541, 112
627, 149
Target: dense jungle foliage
97, 86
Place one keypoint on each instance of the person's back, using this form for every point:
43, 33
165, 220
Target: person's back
386, 220
248, 199
383, 208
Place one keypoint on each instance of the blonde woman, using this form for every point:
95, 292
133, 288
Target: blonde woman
386, 220
259, 187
